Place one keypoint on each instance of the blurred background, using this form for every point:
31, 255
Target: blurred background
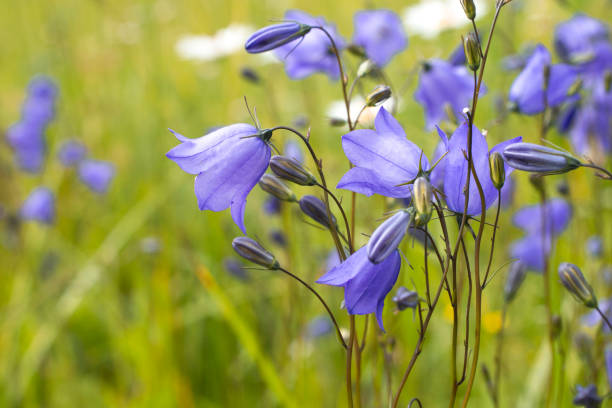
127, 298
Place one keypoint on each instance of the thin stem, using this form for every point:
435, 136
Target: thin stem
349, 360
467, 315
346, 222
358, 350
485, 281
329, 312
596, 167
603, 316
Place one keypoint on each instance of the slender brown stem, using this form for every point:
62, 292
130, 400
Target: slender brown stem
349, 361
596, 167
486, 278
346, 222
466, 341
603, 316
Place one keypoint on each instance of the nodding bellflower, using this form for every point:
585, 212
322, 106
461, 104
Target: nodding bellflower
380, 33
96, 174
527, 92
539, 159
228, 163
587, 397
405, 299
383, 159
456, 168
387, 237
274, 36
576, 38
310, 53
39, 206
443, 85
71, 152
365, 284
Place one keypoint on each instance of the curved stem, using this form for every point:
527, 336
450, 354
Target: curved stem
346, 222
603, 316
349, 360
596, 167
329, 312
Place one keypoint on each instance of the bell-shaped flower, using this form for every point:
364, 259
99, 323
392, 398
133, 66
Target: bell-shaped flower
383, 159
39, 206
227, 163
576, 38
444, 87
365, 284
310, 53
380, 33
456, 168
527, 90
96, 174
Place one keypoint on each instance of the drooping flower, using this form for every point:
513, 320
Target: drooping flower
380, 33
39, 206
227, 163
96, 174
527, 90
576, 38
71, 152
456, 167
365, 284
312, 52
444, 87
383, 159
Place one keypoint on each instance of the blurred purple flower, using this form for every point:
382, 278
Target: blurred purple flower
383, 158
608, 358
595, 246
457, 57
235, 268
587, 397
271, 205
319, 327
380, 33
294, 151
575, 38
365, 284
227, 163
518, 61
527, 90
39, 105
442, 84
96, 174
39, 206
311, 53
593, 318
71, 152
455, 170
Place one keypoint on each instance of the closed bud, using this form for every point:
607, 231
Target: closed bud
274, 36
498, 172
405, 299
539, 159
250, 250
291, 170
316, 210
471, 49
572, 278
275, 187
380, 94
516, 277
387, 237
421, 199
469, 8
356, 50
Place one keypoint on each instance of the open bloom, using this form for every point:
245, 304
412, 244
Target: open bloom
228, 163
380, 33
39, 206
96, 174
365, 284
443, 86
383, 159
456, 168
527, 90
310, 53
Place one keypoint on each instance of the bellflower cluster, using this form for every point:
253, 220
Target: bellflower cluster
27, 137
542, 225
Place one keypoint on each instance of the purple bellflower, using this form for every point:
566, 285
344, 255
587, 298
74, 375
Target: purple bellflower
380, 33
310, 53
456, 167
96, 174
442, 86
71, 152
587, 397
39, 206
365, 284
542, 227
576, 38
457, 57
227, 163
383, 159
274, 36
527, 90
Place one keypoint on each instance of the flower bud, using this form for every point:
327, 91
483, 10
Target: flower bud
539, 159
405, 299
471, 49
574, 281
274, 36
388, 236
290, 169
316, 209
516, 277
498, 172
380, 94
356, 50
421, 198
251, 250
469, 8
275, 187
366, 68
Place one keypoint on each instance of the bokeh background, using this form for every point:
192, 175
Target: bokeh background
125, 300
